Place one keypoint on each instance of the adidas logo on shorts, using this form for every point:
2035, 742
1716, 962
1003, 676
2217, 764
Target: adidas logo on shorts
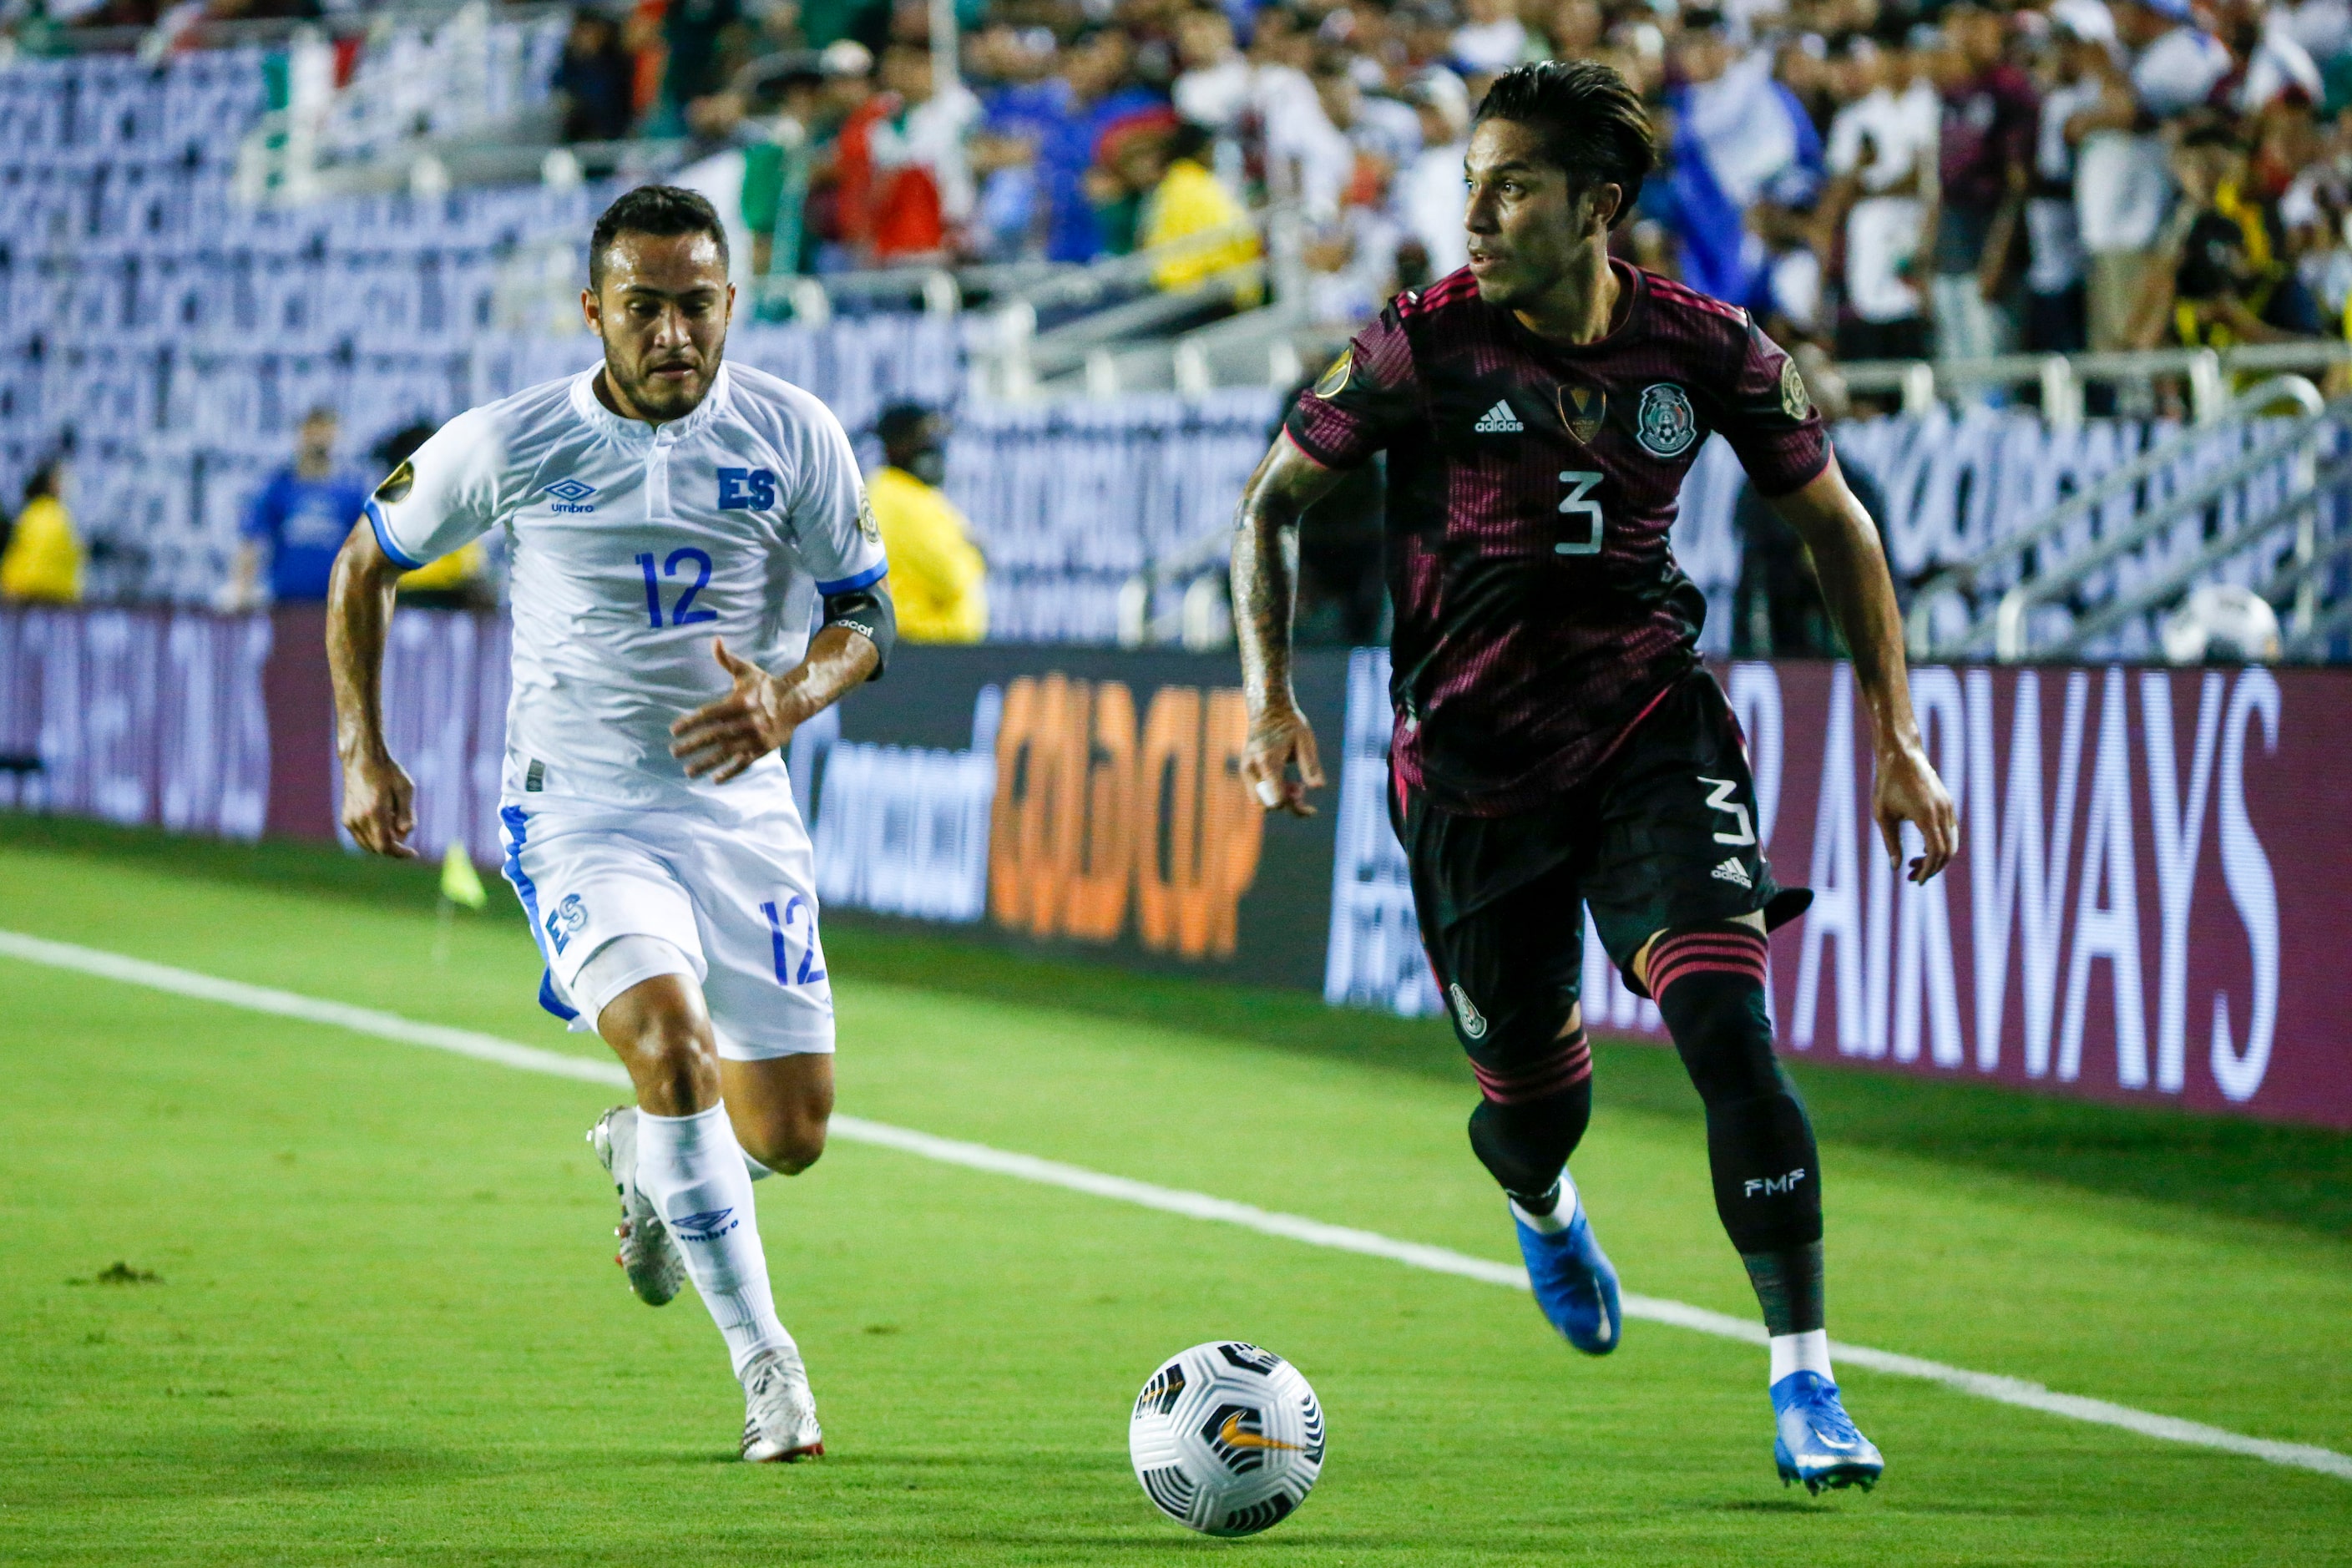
1499, 421
1731, 870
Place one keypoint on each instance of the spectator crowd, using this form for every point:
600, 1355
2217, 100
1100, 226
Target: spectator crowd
1874, 180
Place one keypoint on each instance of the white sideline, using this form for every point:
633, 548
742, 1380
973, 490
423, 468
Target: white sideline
1169, 1200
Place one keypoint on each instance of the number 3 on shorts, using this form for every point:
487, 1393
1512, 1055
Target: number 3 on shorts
793, 912
1579, 501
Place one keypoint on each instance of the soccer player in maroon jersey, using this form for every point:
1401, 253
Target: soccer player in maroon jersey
1557, 741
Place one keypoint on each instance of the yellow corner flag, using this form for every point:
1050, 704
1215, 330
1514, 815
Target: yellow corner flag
460, 883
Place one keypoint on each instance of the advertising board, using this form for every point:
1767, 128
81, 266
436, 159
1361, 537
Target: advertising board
2151, 901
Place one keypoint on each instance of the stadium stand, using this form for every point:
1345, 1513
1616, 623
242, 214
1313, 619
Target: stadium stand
169, 333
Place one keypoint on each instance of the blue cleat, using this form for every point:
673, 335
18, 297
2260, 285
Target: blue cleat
1574, 1283
1817, 1444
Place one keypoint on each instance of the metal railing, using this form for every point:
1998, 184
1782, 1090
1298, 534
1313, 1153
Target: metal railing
179, 31
1990, 634
463, 102
2060, 379
2308, 491
1121, 310
1201, 618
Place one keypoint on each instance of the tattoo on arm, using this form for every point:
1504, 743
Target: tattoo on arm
1265, 580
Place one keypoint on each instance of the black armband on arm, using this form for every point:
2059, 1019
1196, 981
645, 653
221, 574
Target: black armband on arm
867, 612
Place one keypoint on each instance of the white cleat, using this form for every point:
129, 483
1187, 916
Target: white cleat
779, 1410
647, 1255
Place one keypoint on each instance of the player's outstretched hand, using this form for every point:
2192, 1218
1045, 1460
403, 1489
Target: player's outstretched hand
1909, 791
721, 739
379, 806
1281, 739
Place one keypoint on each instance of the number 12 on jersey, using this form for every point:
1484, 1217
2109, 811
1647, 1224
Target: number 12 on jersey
683, 613
1579, 501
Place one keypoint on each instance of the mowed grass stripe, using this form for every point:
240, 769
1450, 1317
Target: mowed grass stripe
982, 1157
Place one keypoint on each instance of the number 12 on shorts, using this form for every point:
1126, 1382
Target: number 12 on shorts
796, 913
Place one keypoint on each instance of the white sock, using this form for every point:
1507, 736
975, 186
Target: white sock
751, 1167
1563, 1213
1801, 1353
693, 1170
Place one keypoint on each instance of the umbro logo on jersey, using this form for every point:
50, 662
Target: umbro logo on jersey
570, 494
1731, 870
1499, 421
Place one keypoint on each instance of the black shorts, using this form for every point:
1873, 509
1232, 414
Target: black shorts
1663, 835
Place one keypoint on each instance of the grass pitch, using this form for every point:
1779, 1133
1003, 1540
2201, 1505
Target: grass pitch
365, 1312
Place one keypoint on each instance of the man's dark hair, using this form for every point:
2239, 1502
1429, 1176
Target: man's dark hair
662, 211
2207, 133
899, 422
401, 445
44, 480
1592, 124
1190, 140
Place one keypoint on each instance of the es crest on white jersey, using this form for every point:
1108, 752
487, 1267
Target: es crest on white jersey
1665, 424
747, 489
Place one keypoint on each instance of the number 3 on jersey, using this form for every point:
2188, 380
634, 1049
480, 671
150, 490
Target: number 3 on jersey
1579, 502
682, 613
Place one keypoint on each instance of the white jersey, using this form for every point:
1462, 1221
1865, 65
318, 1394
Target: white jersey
633, 547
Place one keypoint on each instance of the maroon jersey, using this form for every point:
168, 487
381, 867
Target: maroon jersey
1530, 485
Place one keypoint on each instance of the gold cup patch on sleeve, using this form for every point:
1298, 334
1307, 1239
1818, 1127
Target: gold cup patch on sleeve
397, 483
1334, 380
1794, 401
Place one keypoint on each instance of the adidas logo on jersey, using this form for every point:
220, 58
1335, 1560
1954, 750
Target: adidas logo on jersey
1499, 421
1731, 870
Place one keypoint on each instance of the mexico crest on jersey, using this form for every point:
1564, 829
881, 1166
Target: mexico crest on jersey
1473, 1022
1665, 424
1582, 409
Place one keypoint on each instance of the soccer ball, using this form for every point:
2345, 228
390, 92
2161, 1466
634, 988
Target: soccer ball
1227, 1438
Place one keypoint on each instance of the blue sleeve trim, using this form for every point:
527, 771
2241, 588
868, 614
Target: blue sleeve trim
393, 553
865, 579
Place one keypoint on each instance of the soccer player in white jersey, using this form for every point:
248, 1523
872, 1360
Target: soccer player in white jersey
675, 523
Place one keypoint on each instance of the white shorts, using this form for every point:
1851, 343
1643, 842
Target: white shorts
738, 900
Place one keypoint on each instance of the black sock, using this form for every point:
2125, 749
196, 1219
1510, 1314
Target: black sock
1526, 1144
1789, 1288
